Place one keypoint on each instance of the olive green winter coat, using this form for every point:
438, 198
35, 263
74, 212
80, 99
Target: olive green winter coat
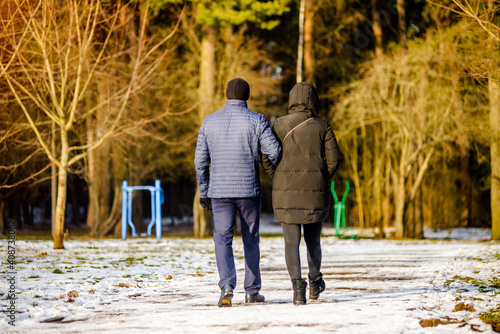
310, 158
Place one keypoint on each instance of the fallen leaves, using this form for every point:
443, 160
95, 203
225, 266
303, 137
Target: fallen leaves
433, 322
73, 294
464, 307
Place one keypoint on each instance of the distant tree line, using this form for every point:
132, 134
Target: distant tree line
94, 92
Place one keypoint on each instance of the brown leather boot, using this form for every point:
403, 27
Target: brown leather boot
226, 294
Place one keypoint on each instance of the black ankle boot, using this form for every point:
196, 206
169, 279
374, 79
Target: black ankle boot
254, 298
299, 291
316, 286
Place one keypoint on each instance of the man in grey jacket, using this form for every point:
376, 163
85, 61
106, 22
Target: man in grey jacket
227, 170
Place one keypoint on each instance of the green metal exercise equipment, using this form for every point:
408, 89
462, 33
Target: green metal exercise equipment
339, 208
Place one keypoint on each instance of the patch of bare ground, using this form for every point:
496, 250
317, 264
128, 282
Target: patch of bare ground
433, 322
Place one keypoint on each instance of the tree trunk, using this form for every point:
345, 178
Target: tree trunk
229, 52
377, 29
366, 171
137, 207
300, 51
75, 201
100, 162
465, 180
414, 224
494, 91
377, 185
387, 196
61, 193
113, 219
119, 172
201, 226
92, 209
53, 182
400, 6
416, 196
399, 194
197, 220
102, 184
207, 73
399, 203
308, 41
27, 212
418, 232
356, 178
204, 228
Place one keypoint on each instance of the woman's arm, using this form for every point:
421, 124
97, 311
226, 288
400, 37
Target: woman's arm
333, 156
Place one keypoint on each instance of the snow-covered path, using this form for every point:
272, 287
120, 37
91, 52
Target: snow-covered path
141, 285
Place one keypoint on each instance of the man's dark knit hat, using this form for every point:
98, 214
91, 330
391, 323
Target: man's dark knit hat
238, 89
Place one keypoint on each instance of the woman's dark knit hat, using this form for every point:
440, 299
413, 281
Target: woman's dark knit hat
238, 89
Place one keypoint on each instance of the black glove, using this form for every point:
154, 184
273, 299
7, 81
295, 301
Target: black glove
206, 203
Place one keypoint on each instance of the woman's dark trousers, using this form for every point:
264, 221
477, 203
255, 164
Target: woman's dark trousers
312, 237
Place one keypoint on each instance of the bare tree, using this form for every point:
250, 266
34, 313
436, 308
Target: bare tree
400, 6
483, 62
62, 47
377, 28
387, 121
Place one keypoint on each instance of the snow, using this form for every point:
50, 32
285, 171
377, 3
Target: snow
142, 285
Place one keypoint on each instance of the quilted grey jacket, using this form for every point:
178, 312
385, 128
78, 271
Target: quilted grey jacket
227, 152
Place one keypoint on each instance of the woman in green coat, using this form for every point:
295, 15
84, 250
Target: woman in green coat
301, 184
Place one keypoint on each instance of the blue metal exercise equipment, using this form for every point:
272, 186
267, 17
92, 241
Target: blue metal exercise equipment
157, 198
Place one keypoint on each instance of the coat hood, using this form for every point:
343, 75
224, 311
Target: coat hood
303, 98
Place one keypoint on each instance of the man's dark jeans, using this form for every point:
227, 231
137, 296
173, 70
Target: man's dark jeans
224, 210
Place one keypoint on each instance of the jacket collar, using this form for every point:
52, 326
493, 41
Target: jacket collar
235, 102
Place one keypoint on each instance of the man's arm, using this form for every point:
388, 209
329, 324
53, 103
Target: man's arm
266, 163
269, 144
202, 163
